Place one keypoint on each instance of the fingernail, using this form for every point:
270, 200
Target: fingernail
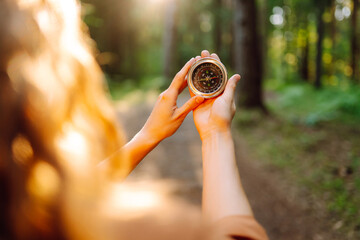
199, 99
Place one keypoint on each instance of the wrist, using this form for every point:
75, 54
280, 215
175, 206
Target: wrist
216, 133
146, 138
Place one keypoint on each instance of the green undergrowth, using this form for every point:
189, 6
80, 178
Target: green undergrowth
121, 88
304, 104
312, 138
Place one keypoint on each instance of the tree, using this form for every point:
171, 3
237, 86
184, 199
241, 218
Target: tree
169, 39
304, 65
217, 25
116, 35
321, 7
354, 43
333, 36
302, 9
248, 57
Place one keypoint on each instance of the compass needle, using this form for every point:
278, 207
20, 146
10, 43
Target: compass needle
207, 77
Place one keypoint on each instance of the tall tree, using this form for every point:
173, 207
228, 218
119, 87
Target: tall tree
248, 57
217, 25
333, 37
304, 65
354, 42
321, 7
301, 12
115, 36
169, 39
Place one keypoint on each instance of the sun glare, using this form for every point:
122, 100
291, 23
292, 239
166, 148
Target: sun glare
155, 2
131, 201
74, 146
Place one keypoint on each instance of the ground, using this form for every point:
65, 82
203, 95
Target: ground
276, 204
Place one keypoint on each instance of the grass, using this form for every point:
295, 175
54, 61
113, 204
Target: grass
312, 139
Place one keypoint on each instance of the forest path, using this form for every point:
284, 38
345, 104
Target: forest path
178, 158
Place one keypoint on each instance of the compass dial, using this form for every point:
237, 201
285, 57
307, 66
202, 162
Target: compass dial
207, 77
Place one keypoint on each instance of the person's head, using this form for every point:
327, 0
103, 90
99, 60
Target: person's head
56, 122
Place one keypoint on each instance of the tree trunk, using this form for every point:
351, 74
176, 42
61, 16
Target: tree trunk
248, 57
354, 43
169, 39
217, 26
264, 34
304, 67
319, 45
333, 37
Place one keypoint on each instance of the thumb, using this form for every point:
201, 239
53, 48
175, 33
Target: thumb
191, 104
231, 87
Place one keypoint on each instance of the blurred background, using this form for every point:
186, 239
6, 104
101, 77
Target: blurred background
299, 97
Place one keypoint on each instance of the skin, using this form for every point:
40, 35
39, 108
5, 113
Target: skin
223, 194
164, 120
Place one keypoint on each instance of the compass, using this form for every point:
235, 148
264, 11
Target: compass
207, 77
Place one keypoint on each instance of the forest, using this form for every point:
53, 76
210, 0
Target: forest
299, 97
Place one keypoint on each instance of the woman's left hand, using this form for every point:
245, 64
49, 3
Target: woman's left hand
166, 117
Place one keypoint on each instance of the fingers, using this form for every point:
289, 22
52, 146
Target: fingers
229, 92
191, 104
214, 55
183, 86
178, 81
205, 53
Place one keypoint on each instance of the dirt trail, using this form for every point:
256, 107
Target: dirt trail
178, 158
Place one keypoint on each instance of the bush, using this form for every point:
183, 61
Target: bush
303, 103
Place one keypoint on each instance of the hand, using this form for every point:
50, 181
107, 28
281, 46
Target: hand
215, 114
166, 117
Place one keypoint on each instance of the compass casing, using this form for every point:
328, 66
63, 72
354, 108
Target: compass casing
222, 77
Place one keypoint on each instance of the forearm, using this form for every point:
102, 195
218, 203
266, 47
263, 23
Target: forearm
122, 162
138, 147
223, 194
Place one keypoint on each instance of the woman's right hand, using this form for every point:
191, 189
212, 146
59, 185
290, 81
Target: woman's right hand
215, 115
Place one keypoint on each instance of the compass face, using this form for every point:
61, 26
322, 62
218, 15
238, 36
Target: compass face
207, 77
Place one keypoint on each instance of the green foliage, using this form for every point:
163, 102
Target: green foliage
311, 139
302, 103
120, 89
310, 159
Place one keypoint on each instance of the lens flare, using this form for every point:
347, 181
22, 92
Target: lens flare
132, 200
44, 182
21, 150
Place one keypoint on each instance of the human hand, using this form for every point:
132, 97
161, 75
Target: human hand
166, 117
215, 114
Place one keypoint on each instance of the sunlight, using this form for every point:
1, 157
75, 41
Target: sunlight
156, 2
153, 9
73, 144
277, 18
343, 10
44, 182
131, 200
